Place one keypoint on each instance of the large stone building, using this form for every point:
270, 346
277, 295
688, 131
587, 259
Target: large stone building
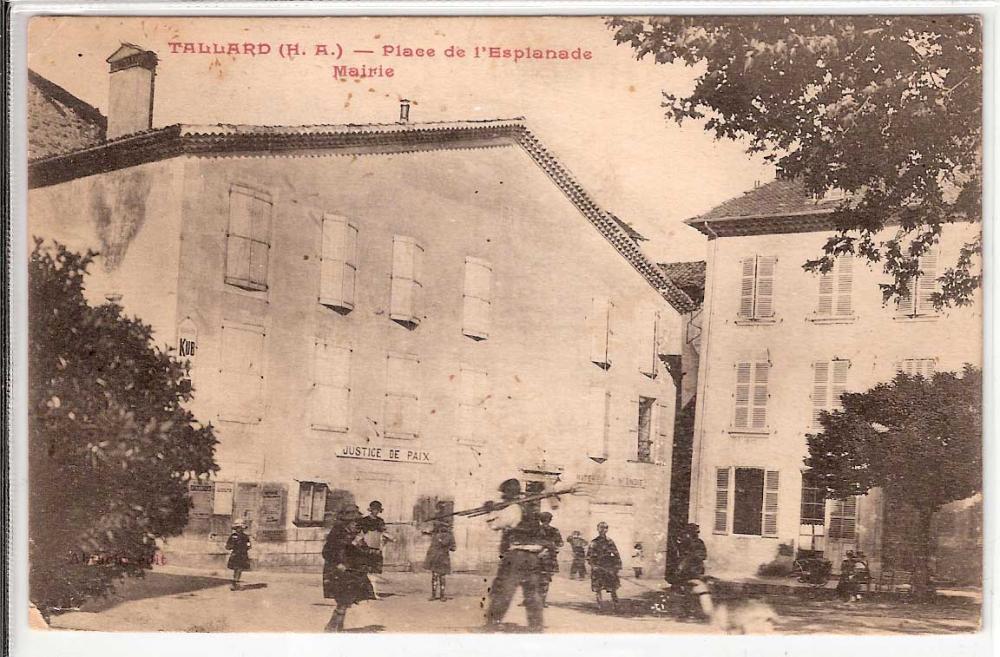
778, 345
408, 312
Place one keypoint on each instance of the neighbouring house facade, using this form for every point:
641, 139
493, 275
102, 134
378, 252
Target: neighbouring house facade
779, 345
404, 312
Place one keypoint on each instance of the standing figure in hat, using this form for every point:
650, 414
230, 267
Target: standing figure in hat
345, 564
238, 544
579, 545
372, 528
521, 544
605, 562
438, 559
550, 557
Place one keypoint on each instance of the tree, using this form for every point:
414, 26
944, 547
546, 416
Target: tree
887, 109
918, 439
111, 446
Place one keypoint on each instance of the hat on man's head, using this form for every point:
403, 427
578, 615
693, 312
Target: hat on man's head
375, 504
693, 528
239, 522
510, 487
545, 516
349, 513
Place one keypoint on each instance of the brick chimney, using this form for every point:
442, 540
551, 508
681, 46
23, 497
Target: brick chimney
130, 101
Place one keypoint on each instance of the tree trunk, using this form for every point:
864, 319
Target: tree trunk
921, 582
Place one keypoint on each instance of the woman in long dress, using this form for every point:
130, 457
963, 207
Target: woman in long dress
238, 545
345, 565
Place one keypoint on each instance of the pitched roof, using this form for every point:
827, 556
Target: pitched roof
777, 206
171, 141
688, 276
58, 121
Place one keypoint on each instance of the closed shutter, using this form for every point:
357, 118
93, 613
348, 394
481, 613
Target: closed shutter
839, 384
663, 446
600, 331
721, 524
649, 332
770, 526
636, 432
401, 399
744, 373
748, 269
598, 412
406, 289
473, 400
826, 293
821, 391
242, 373
248, 238
927, 282
845, 283
758, 415
477, 298
843, 519
338, 262
331, 386
764, 295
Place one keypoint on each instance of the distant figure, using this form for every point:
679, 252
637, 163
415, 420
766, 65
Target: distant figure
686, 567
238, 544
550, 556
345, 564
637, 560
579, 545
438, 559
853, 573
605, 562
372, 529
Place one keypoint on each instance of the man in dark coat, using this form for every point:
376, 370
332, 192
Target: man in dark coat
686, 567
345, 565
238, 544
438, 559
521, 544
605, 562
550, 556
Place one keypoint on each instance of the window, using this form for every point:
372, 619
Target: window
473, 397
751, 395
401, 400
813, 508
757, 287
477, 298
721, 525
312, 503
242, 373
600, 331
331, 390
644, 446
917, 367
843, 519
649, 330
405, 295
755, 502
596, 429
338, 263
248, 238
829, 383
916, 300
835, 289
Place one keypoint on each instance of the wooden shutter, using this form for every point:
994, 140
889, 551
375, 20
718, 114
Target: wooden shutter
260, 245
600, 331
748, 269
758, 415
331, 386
770, 526
821, 391
845, 283
598, 413
764, 294
473, 398
649, 328
242, 373
238, 237
663, 446
721, 525
402, 401
477, 298
927, 282
744, 373
634, 416
338, 262
838, 385
826, 294
843, 519
404, 301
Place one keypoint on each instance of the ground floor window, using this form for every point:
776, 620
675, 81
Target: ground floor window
755, 501
312, 503
844, 519
644, 446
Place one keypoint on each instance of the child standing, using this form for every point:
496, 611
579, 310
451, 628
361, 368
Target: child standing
438, 559
238, 544
637, 560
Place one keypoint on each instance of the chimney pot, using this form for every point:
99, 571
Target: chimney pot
131, 82
404, 111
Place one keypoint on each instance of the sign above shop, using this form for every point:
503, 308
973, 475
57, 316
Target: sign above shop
619, 480
374, 452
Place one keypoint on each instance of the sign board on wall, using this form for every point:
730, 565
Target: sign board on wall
392, 453
222, 505
201, 499
187, 339
618, 480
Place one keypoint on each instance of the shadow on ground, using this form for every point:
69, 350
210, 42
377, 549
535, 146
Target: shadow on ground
154, 585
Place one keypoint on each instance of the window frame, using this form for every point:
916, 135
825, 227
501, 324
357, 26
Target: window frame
754, 314
313, 487
249, 283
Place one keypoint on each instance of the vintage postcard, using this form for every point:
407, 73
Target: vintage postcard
647, 325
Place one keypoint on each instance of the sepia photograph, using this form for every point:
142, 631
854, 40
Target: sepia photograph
664, 325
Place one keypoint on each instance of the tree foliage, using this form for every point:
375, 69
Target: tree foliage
887, 109
111, 446
919, 439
